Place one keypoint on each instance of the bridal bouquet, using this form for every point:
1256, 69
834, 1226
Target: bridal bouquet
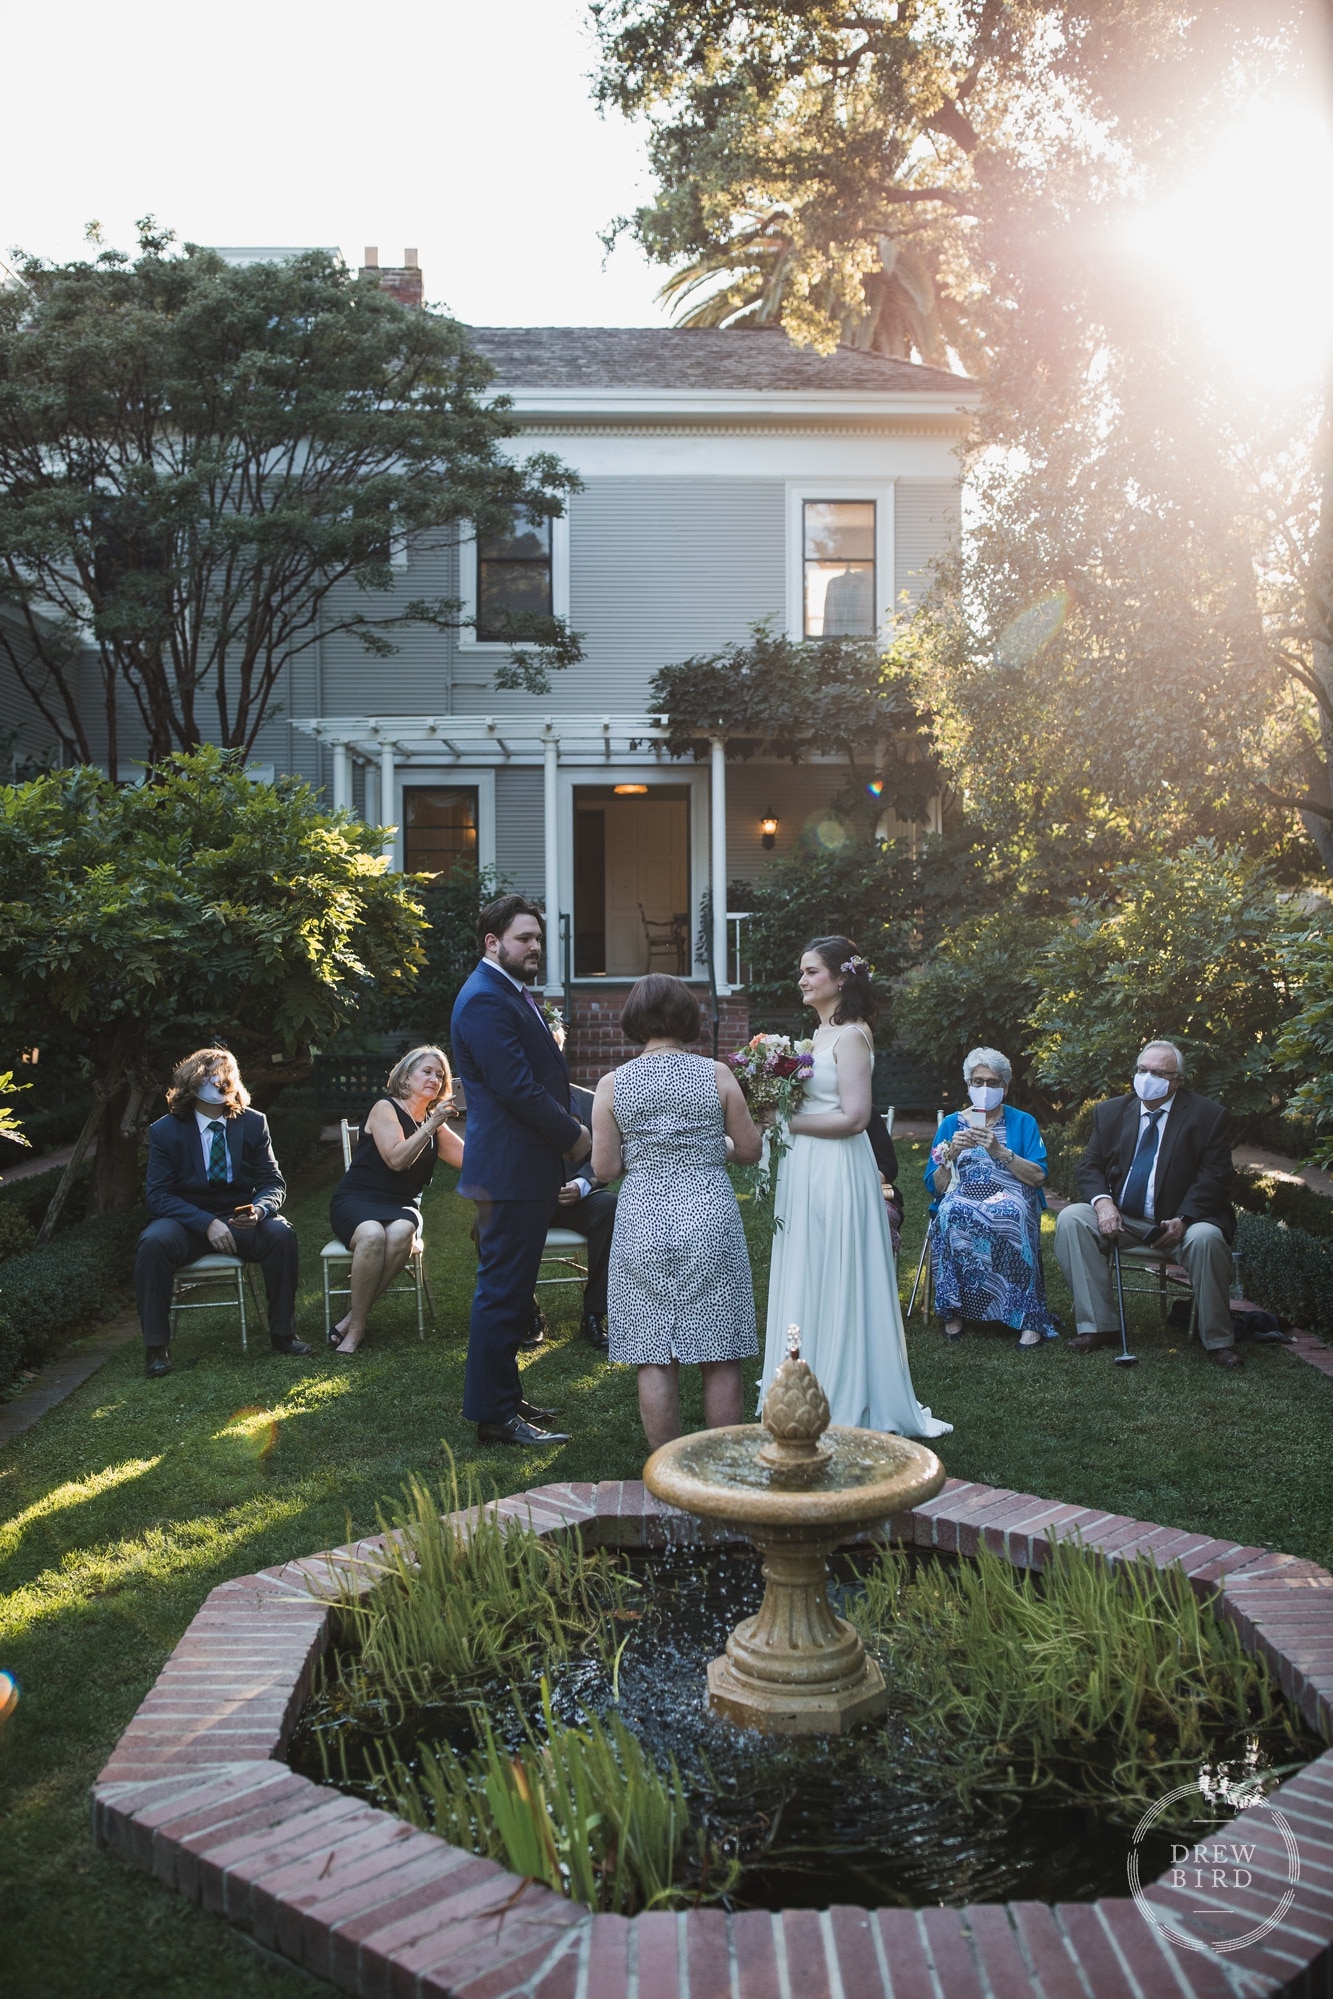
773, 1071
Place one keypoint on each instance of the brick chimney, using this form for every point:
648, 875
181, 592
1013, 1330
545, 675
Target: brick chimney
401, 281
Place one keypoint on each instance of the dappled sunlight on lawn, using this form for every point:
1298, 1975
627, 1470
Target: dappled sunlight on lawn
75, 1492
160, 1554
257, 1427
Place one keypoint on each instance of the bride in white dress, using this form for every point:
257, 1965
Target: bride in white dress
833, 1272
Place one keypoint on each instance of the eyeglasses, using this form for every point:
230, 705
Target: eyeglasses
1168, 1075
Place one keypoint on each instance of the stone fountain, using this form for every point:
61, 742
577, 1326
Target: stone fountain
798, 1489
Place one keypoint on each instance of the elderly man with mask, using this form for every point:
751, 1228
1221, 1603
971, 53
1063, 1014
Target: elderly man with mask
1156, 1172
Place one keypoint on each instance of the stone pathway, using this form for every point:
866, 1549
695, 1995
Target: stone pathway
41, 1162
61, 1377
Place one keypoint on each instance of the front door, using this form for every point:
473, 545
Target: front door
632, 881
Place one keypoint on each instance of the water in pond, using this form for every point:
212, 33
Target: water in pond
865, 1819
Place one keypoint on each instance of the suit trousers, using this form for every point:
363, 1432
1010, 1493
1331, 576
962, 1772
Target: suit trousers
165, 1245
1205, 1254
594, 1218
511, 1236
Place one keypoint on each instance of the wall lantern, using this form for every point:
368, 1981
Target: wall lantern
630, 790
769, 828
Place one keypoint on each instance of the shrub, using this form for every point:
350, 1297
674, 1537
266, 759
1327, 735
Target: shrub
1288, 1271
294, 1127
1186, 946
1285, 1201
977, 991
31, 1196
16, 1231
83, 1274
1065, 1145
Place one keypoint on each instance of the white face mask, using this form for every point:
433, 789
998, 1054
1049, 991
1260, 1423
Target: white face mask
985, 1096
208, 1092
1151, 1089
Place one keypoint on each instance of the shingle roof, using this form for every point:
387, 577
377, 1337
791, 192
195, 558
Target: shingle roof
650, 357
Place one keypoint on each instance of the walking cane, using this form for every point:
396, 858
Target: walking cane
925, 1252
1124, 1358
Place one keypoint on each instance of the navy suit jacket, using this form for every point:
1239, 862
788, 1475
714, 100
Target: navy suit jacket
179, 1189
516, 1081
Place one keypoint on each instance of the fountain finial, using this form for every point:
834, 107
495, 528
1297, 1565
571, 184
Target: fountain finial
796, 1415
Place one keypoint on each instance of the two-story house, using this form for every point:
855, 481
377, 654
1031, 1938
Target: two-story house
728, 477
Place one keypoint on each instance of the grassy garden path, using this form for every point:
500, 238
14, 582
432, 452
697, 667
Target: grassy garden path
131, 1500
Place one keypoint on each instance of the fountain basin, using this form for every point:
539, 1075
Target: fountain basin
795, 1668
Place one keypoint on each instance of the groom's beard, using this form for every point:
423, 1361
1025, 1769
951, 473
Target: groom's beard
520, 963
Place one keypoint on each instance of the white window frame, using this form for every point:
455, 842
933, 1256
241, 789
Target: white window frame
482, 781
467, 587
838, 487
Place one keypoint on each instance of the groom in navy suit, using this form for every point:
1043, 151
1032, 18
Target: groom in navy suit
520, 1131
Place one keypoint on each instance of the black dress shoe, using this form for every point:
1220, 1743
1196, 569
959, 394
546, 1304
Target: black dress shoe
594, 1331
158, 1362
530, 1413
517, 1431
536, 1333
290, 1345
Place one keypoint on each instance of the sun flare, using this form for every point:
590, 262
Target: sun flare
1243, 239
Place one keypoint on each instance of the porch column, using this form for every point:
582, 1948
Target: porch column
718, 854
551, 803
342, 777
386, 800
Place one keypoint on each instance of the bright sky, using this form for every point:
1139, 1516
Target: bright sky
466, 131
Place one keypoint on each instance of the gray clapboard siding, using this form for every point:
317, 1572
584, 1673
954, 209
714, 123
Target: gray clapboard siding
927, 517
659, 568
414, 680
519, 838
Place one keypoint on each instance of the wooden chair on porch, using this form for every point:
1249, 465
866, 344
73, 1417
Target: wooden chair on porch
669, 936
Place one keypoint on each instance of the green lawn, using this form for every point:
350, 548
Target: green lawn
127, 1504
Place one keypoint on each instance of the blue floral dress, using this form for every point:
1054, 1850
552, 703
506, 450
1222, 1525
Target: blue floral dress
985, 1250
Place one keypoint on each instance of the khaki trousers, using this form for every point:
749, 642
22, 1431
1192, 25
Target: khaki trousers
1205, 1254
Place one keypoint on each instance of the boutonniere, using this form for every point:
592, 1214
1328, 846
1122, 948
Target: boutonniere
555, 1020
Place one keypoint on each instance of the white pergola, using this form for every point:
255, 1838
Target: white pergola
391, 743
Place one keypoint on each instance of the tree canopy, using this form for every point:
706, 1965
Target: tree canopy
201, 905
879, 172
204, 468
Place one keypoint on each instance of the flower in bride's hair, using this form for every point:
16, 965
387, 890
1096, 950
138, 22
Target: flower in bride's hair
856, 963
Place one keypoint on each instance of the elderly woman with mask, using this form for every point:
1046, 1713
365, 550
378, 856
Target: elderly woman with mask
986, 1171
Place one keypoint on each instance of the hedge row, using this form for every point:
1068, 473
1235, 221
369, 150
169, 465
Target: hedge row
1288, 1271
82, 1275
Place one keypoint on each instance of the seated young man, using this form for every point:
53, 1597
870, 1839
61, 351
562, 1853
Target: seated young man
213, 1185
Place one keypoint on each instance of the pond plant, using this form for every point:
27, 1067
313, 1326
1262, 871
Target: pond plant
526, 1699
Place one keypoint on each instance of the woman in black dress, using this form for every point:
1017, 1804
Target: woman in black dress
376, 1206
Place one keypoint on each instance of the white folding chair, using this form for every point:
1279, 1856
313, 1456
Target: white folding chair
213, 1272
568, 1249
336, 1256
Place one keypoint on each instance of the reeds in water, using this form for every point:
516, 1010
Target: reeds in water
1104, 1681
579, 1808
464, 1597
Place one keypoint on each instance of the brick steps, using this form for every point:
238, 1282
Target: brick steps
594, 1043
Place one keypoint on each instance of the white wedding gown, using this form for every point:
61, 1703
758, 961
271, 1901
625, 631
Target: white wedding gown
833, 1275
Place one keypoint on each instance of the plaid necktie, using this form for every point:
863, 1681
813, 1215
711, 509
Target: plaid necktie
217, 1152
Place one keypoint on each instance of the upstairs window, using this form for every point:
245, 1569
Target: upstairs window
839, 568
513, 578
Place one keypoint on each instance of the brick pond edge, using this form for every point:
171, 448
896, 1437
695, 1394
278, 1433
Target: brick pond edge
196, 1792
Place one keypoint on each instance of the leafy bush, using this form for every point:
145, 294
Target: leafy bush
45, 1129
31, 1196
1306, 1043
81, 1275
1065, 1146
977, 990
1188, 949
1285, 1201
294, 1127
16, 1231
1288, 1272
451, 905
